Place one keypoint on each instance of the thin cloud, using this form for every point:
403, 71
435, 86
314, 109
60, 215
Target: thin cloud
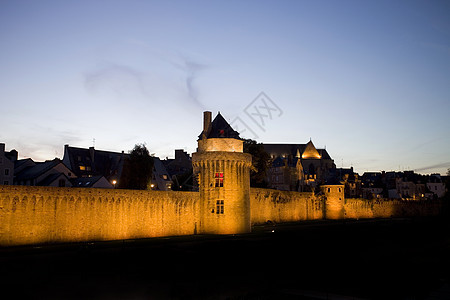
119, 79
444, 165
191, 70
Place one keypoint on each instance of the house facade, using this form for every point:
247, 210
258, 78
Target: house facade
90, 162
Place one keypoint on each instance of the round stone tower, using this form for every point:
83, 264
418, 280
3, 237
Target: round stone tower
223, 175
334, 201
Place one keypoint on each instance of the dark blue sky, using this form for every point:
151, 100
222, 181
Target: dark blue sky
368, 79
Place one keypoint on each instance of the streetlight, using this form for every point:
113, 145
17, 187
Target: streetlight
114, 183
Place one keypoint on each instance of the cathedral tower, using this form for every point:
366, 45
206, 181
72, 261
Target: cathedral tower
223, 174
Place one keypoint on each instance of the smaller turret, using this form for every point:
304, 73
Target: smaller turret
334, 201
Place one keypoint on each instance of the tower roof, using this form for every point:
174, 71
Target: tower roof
219, 128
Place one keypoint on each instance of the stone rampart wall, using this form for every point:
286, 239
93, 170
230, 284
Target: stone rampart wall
386, 208
283, 206
32, 215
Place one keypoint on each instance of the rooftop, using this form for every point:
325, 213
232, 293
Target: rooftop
219, 128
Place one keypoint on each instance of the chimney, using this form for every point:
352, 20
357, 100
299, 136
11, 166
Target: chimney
2, 147
92, 153
13, 155
206, 122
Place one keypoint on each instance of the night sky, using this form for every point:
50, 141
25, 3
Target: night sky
370, 80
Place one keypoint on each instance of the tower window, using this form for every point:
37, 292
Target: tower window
219, 207
218, 177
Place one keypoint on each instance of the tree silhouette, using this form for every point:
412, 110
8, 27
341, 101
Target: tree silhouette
137, 169
260, 163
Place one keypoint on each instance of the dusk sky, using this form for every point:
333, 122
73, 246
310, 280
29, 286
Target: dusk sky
370, 80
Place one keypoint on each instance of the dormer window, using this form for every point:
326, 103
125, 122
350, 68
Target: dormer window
218, 177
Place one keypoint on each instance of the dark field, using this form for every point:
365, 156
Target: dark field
374, 259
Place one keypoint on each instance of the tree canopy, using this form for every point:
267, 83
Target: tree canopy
260, 163
137, 169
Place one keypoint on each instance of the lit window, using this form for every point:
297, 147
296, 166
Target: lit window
82, 168
219, 179
219, 207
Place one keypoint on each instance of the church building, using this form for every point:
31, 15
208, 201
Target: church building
298, 167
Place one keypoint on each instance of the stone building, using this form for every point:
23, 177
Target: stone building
298, 167
223, 173
436, 185
7, 160
350, 179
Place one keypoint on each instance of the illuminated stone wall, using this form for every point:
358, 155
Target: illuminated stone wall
232, 214
386, 208
220, 144
284, 206
31, 215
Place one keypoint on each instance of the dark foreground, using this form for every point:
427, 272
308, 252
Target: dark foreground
382, 259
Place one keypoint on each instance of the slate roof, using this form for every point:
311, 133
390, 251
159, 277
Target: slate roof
21, 164
85, 181
284, 149
220, 128
290, 150
38, 169
324, 154
52, 178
